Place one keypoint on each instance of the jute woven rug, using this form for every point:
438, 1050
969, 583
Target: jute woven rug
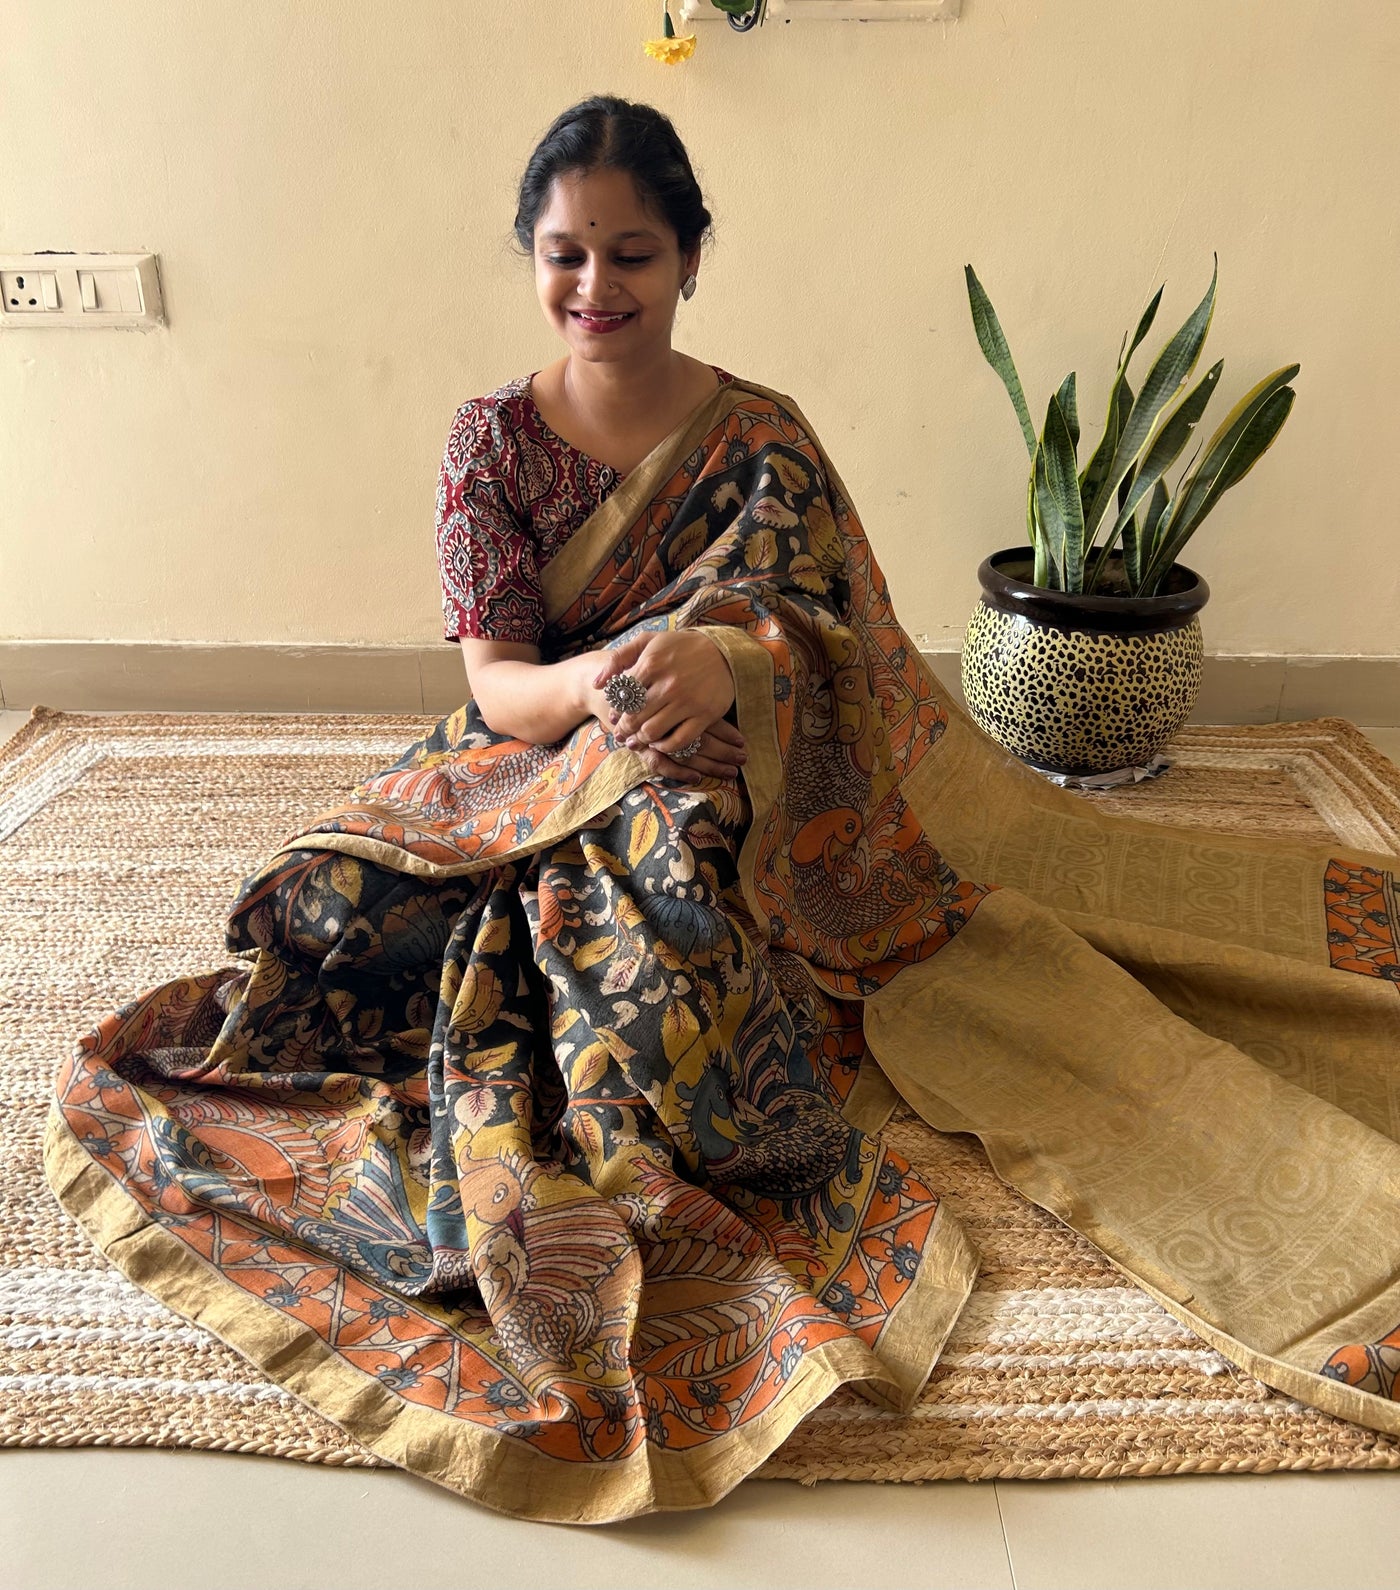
123, 840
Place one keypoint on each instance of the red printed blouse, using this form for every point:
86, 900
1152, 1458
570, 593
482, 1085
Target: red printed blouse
511, 492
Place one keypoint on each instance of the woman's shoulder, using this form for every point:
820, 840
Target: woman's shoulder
503, 404
758, 393
483, 429
768, 402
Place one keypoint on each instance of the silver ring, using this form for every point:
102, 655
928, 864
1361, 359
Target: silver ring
625, 693
687, 751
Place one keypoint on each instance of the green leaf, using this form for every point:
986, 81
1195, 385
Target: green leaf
1120, 402
1221, 445
1033, 531
1176, 430
1237, 447
1124, 487
1062, 485
998, 354
1069, 407
1166, 448
1138, 538
1197, 482
1170, 369
1052, 525
1144, 325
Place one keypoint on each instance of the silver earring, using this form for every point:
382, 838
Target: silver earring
688, 287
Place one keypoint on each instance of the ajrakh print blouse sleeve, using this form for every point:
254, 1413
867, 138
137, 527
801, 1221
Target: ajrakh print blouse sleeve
487, 556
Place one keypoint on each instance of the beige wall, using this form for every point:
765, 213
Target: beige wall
330, 188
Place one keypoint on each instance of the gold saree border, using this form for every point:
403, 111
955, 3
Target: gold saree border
902, 1050
494, 1470
752, 668
919, 1326
568, 572
621, 771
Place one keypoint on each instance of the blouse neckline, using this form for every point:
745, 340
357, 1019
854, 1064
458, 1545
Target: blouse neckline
526, 383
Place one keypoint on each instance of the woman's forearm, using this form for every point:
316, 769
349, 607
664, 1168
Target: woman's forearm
538, 702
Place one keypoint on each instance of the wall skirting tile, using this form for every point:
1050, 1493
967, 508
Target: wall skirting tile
216, 676
1267, 689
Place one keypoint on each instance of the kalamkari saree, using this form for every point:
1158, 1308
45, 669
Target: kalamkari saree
535, 1140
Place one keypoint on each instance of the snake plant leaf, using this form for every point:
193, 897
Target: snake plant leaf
1170, 441
735, 8
1164, 451
1069, 407
998, 354
1052, 526
1125, 486
1225, 464
1062, 484
1196, 483
1138, 537
1120, 402
1035, 535
1170, 369
1119, 406
1144, 325
1163, 526
1222, 444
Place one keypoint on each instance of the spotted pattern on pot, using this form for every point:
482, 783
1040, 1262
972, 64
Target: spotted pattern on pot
1078, 701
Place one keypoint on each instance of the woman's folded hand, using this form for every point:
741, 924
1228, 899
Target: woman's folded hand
689, 689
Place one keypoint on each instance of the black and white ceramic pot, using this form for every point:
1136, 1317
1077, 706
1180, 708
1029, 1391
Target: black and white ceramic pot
1082, 685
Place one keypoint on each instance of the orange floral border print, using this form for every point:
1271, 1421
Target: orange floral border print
1361, 921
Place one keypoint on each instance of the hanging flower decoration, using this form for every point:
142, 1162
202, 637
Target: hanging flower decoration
742, 14
670, 49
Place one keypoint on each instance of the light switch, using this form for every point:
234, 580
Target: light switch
110, 292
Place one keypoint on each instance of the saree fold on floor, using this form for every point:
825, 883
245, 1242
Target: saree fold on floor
535, 1140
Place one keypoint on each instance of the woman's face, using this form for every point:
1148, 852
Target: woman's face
597, 248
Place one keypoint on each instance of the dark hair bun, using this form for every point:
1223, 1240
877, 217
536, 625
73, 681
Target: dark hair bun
607, 131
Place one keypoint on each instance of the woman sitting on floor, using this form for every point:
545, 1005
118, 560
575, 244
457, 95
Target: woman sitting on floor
537, 1144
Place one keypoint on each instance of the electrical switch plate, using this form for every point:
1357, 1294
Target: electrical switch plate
65, 289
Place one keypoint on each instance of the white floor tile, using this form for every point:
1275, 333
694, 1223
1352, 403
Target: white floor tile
1204, 1532
106, 1520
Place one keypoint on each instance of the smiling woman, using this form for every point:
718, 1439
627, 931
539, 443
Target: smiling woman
537, 1143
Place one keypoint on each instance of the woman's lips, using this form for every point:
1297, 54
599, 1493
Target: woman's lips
589, 324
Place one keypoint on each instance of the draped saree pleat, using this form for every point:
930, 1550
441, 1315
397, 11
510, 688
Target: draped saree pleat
536, 1141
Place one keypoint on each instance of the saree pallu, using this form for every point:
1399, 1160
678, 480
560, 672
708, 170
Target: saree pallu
536, 1140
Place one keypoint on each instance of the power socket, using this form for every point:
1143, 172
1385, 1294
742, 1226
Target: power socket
29, 292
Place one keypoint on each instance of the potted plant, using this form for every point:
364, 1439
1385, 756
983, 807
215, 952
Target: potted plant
1083, 656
